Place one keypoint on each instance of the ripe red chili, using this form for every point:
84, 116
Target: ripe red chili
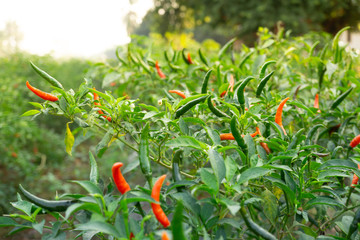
180, 93
97, 103
355, 141
157, 210
264, 145
316, 102
278, 116
160, 73
189, 59
226, 136
131, 236
119, 179
355, 179
41, 94
223, 94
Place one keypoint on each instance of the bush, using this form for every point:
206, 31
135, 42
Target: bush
248, 153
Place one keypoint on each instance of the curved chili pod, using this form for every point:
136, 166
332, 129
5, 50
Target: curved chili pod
278, 116
202, 57
295, 139
186, 107
46, 76
254, 227
355, 141
226, 136
41, 94
178, 92
164, 236
215, 110
119, 179
157, 210
187, 59
176, 169
341, 98
311, 133
246, 57
160, 73
226, 47
264, 67
240, 141
52, 206
205, 82
262, 84
240, 92
144, 154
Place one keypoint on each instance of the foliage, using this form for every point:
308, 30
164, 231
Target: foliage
216, 188
232, 18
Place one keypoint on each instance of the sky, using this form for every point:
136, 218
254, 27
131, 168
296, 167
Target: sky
81, 28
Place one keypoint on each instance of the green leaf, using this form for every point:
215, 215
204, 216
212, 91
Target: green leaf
250, 144
90, 187
233, 206
39, 226
347, 164
30, 113
81, 122
322, 200
23, 206
252, 173
104, 143
136, 196
209, 179
100, 227
177, 223
186, 141
300, 105
231, 168
270, 206
36, 104
94, 171
69, 139
189, 201
217, 164
92, 207
8, 222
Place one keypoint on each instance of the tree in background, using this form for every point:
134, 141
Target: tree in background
228, 18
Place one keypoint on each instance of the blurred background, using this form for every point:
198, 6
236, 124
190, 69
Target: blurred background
68, 39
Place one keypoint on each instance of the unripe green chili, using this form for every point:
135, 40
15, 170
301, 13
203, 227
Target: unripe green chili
295, 139
144, 154
203, 58
215, 110
186, 107
264, 67
46, 76
205, 82
240, 141
240, 92
226, 47
176, 169
166, 56
120, 58
339, 99
254, 227
313, 48
311, 133
52, 206
247, 56
262, 84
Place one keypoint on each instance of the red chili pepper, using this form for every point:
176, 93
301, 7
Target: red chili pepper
255, 133
355, 179
223, 94
226, 136
157, 210
131, 236
316, 102
264, 145
160, 73
119, 179
355, 141
164, 236
189, 59
278, 116
97, 103
41, 94
180, 93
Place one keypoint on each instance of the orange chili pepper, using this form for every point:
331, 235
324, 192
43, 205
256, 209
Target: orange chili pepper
355, 179
96, 98
119, 179
131, 236
226, 136
278, 116
316, 102
180, 93
231, 83
164, 236
223, 94
41, 94
160, 73
264, 145
355, 141
255, 133
157, 210
189, 59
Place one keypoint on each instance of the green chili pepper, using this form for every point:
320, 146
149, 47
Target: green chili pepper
166, 56
176, 169
184, 56
226, 47
254, 227
203, 58
215, 110
311, 133
144, 66
313, 48
120, 58
132, 58
339, 99
52, 206
186, 107
262, 84
264, 67
295, 139
205, 82
247, 56
240, 141
46, 76
144, 154
240, 92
